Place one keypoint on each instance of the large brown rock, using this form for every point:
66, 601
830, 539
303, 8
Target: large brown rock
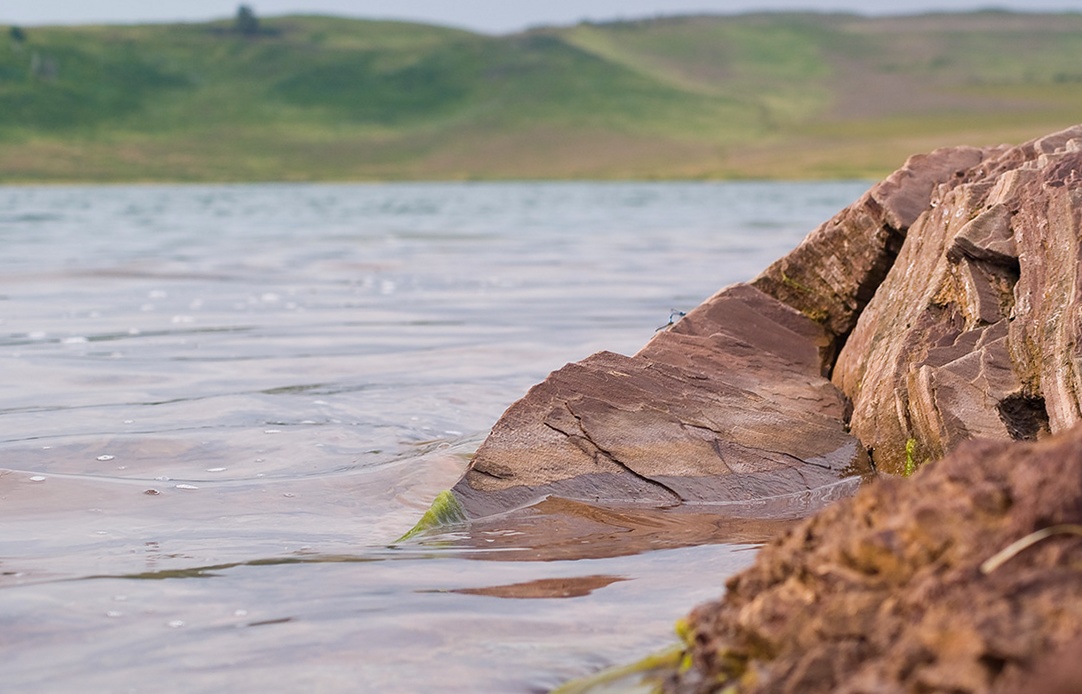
727, 407
893, 590
731, 405
952, 288
954, 291
975, 329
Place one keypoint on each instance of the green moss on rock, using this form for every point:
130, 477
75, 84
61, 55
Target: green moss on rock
445, 510
910, 457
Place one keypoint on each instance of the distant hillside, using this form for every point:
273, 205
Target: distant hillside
318, 98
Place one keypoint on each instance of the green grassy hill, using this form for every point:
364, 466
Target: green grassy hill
319, 98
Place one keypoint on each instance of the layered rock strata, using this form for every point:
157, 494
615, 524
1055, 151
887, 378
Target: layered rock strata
942, 305
833, 274
975, 330
729, 406
963, 348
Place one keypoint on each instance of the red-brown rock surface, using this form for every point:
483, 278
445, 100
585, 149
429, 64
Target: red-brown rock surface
945, 307
729, 406
952, 289
954, 292
886, 592
975, 331
837, 269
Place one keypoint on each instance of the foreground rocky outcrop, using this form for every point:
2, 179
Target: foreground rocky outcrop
968, 576
937, 318
900, 588
936, 323
732, 403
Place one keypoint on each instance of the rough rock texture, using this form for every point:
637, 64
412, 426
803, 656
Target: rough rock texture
885, 592
730, 405
836, 270
975, 330
952, 295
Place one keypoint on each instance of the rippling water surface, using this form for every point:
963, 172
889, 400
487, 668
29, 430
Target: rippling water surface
223, 404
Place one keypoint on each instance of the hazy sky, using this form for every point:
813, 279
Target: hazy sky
492, 16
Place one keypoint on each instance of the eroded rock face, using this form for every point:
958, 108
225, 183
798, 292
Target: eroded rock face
729, 406
836, 270
892, 590
975, 329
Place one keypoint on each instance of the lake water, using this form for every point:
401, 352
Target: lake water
223, 404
